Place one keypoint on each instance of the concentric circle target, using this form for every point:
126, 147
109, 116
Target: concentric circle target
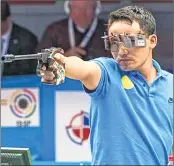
23, 103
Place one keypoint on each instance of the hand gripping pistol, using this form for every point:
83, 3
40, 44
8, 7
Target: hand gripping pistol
45, 58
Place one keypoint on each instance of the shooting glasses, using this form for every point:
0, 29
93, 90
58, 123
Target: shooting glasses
114, 42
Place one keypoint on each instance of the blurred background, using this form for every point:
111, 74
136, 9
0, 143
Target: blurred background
53, 121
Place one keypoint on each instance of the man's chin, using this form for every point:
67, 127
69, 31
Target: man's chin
126, 68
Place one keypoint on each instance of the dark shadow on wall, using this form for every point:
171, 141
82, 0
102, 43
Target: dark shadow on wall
164, 50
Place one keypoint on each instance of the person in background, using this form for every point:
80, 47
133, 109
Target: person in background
79, 34
16, 40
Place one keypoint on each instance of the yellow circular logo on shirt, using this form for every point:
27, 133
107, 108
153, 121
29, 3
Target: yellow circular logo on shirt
126, 82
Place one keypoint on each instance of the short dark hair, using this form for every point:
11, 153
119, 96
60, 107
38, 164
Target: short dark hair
135, 13
5, 10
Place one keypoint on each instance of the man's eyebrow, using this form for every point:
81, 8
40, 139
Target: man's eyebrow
127, 33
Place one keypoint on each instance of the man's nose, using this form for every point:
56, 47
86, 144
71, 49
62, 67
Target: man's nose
123, 51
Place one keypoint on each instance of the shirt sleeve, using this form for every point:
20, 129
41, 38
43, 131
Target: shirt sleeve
102, 87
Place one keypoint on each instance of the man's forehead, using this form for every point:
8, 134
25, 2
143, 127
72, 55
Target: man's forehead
122, 27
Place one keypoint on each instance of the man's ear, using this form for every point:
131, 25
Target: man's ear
152, 41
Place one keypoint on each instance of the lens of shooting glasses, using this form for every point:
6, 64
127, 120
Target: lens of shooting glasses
115, 46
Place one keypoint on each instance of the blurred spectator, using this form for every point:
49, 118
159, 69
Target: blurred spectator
16, 40
79, 34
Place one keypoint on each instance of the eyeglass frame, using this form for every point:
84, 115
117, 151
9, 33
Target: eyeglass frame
139, 41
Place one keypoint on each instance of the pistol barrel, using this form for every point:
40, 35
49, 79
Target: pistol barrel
10, 57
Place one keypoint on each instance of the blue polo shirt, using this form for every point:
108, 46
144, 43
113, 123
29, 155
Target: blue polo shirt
131, 122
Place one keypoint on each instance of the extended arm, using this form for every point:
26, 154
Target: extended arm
87, 72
